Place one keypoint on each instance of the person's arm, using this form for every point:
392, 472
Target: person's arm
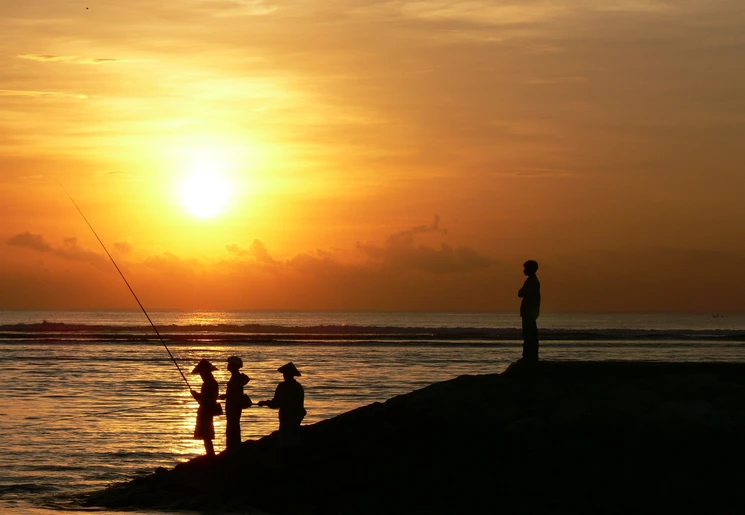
210, 395
530, 288
522, 291
273, 403
233, 392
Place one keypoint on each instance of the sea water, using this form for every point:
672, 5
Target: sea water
89, 398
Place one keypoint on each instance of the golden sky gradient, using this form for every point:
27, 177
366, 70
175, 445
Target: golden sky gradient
378, 155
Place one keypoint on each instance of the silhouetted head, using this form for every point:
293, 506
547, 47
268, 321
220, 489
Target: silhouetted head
530, 267
204, 368
235, 363
289, 370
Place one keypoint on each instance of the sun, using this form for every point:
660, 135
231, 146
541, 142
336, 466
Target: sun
205, 192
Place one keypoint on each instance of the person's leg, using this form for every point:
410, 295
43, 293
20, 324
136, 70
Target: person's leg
208, 447
530, 339
284, 429
526, 337
233, 432
295, 434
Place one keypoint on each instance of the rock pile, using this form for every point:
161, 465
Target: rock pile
555, 437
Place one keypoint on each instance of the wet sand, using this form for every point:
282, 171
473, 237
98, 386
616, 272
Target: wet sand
556, 437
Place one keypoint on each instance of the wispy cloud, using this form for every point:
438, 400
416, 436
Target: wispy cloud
123, 247
98, 60
399, 253
30, 241
257, 250
74, 59
225, 8
556, 80
69, 251
542, 172
47, 58
33, 93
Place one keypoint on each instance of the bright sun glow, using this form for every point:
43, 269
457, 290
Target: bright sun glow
205, 191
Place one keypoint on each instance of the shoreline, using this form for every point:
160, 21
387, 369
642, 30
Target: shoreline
574, 437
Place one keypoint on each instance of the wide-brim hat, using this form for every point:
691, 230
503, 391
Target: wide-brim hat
203, 366
289, 369
235, 361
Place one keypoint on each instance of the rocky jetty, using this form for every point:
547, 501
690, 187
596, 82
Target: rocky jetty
555, 437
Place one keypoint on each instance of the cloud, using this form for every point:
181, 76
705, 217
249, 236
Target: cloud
33, 93
73, 59
257, 250
556, 80
123, 247
30, 241
443, 260
398, 253
542, 172
171, 264
396, 273
226, 8
98, 60
46, 57
406, 237
69, 251
236, 249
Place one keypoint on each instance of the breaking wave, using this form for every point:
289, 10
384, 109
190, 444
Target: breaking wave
338, 334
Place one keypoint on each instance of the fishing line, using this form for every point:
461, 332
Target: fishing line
128, 286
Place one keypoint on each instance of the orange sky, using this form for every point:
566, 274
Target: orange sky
378, 155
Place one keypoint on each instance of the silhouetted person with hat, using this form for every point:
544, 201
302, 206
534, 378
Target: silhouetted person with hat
289, 398
235, 402
208, 406
530, 308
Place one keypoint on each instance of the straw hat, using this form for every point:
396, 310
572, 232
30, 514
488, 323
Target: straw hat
235, 361
203, 366
289, 369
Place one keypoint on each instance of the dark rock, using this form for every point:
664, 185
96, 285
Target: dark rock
551, 437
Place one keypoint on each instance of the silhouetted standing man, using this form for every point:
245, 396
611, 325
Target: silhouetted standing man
530, 308
235, 402
289, 398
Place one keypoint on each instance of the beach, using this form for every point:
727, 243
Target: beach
97, 400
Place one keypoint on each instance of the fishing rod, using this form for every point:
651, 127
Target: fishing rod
128, 286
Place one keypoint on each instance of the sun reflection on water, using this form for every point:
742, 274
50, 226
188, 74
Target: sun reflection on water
82, 416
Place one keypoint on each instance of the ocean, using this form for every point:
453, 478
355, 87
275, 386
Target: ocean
92, 397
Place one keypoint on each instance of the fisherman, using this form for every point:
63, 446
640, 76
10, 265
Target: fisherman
208, 406
289, 399
235, 402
